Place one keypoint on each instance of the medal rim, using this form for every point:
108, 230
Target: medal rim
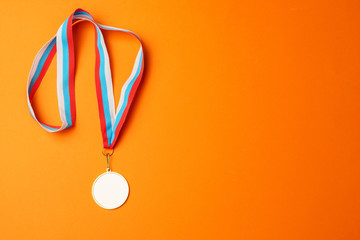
103, 174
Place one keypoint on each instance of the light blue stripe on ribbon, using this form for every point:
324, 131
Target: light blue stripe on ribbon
66, 73
126, 97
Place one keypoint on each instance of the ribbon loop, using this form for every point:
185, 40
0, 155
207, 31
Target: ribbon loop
111, 121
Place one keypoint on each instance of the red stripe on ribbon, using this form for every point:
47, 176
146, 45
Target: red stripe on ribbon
71, 68
43, 72
131, 97
99, 94
52, 126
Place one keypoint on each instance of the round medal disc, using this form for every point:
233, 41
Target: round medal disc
110, 190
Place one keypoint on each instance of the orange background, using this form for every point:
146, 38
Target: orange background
246, 125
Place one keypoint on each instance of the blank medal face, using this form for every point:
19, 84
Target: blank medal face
110, 190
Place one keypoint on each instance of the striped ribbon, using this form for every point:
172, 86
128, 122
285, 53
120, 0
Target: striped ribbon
111, 122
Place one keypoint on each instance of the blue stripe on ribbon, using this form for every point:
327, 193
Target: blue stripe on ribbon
126, 97
41, 64
66, 73
53, 129
104, 87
